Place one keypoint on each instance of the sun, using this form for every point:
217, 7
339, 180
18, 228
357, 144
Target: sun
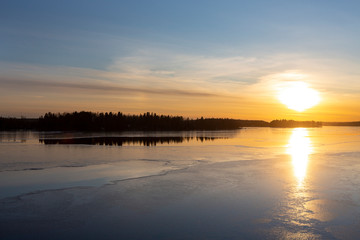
298, 96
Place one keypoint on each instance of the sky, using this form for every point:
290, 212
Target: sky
190, 58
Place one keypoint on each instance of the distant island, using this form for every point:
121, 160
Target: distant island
354, 124
89, 121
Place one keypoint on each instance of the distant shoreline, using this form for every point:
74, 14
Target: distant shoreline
89, 121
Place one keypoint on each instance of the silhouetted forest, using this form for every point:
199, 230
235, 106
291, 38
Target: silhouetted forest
89, 121
293, 124
119, 141
18, 124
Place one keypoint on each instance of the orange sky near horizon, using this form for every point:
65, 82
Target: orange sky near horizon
257, 101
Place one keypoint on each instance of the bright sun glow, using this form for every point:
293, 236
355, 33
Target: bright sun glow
299, 148
298, 96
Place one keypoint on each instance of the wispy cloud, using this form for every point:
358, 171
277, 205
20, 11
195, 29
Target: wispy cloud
167, 80
102, 88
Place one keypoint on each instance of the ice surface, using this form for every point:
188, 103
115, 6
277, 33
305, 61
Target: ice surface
242, 187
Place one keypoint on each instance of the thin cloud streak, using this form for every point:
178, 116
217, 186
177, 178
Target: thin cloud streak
97, 87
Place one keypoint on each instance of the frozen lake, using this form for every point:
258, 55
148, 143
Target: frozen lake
254, 183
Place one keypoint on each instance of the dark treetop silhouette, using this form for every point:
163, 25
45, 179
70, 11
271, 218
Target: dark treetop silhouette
89, 121
119, 141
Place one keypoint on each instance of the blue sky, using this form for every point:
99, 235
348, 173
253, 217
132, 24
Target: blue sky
202, 47
92, 33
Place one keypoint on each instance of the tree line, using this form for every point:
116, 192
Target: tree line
108, 121
120, 141
294, 124
89, 121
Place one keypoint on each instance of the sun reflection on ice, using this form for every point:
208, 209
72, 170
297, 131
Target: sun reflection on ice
299, 148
